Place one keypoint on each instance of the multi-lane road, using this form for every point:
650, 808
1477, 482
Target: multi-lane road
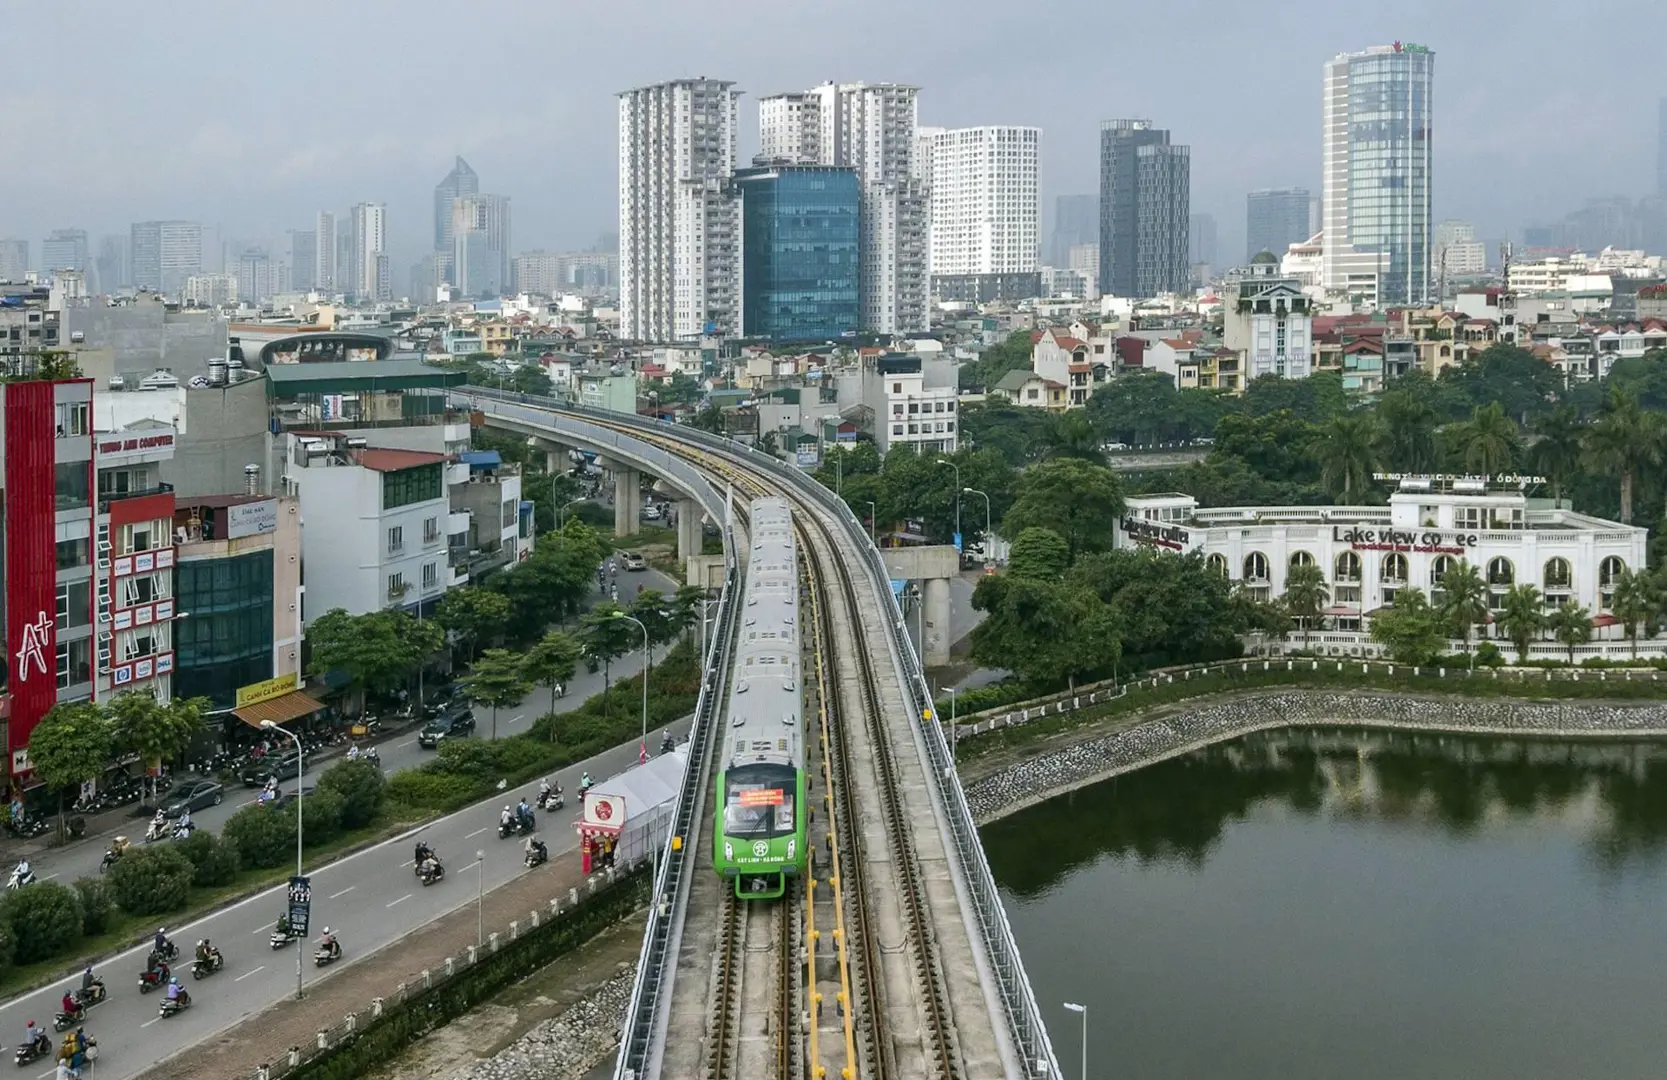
369, 899
397, 752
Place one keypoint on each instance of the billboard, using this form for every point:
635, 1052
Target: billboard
252, 519
31, 560
267, 690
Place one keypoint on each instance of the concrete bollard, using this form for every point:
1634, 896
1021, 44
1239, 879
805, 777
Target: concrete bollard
451, 967
262, 1072
375, 1007
572, 896
352, 1023
473, 955
324, 1040
533, 915
294, 1056
492, 942
427, 981
555, 908
514, 929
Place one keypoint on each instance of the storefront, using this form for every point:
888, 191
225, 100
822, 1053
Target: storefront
626, 816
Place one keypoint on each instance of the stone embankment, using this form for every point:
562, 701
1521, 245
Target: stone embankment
564, 1047
1133, 746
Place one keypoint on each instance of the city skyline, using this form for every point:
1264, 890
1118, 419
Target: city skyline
557, 157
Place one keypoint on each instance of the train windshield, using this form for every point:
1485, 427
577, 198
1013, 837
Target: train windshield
759, 802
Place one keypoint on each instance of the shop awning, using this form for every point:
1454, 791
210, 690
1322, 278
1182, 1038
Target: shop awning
279, 710
1606, 619
1340, 611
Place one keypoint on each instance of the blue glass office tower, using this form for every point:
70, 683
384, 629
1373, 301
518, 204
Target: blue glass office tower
800, 251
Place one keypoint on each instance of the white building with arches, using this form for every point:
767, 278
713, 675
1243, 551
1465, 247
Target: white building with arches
1368, 553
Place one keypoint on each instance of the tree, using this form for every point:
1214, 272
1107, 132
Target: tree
552, 663
1522, 618
606, 638
154, 730
496, 681
1464, 600
658, 617
1076, 499
1406, 431
376, 651
1487, 442
96, 906
214, 862
1278, 445
1315, 399
1633, 603
1513, 378
1073, 435
154, 880
1171, 609
553, 582
1347, 454
1306, 593
1571, 625
71, 745
1410, 629
360, 786
1038, 553
1558, 446
473, 614
1044, 632
1621, 443
45, 920
264, 837
710, 418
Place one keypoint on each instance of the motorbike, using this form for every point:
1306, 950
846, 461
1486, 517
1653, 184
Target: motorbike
429, 877
202, 968
27, 828
20, 877
551, 800
537, 857
150, 980
84, 1000
514, 827
323, 956
34, 1051
373, 755
170, 1006
156, 830
280, 940
182, 830
118, 848
169, 952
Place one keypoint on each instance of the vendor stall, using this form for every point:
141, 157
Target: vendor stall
625, 817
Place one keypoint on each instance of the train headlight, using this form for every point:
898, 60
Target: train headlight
729, 851
792, 844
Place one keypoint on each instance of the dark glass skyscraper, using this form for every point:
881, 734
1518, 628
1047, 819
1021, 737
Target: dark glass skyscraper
1275, 218
800, 252
1145, 206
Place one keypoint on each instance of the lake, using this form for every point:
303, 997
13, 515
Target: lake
1334, 903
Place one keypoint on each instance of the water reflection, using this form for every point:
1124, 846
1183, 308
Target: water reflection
1315, 904
1175, 811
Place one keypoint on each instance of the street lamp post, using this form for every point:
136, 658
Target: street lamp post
300, 769
564, 506
952, 739
957, 468
839, 477
873, 524
480, 899
988, 549
621, 615
1082, 1010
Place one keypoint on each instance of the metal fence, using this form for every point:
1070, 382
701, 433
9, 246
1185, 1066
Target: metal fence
1025, 1028
1092, 694
361, 1020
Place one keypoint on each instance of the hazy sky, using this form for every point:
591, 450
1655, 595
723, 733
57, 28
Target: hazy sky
251, 116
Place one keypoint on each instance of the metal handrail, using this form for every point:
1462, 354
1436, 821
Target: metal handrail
1026, 1029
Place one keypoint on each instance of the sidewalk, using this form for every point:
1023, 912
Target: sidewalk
268, 1035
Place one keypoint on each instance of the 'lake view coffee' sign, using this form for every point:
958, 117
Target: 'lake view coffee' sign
1429, 542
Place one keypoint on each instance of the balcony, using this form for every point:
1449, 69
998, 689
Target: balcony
105, 500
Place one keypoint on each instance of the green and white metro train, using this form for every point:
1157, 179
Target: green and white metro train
759, 841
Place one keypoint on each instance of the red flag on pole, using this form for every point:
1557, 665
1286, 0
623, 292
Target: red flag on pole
642, 754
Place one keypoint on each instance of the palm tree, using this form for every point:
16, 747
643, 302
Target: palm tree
1522, 617
1464, 600
1487, 442
1347, 449
1622, 442
1073, 435
1557, 449
1633, 604
1571, 625
1406, 433
1306, 593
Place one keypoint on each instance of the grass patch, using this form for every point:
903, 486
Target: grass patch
1154, 690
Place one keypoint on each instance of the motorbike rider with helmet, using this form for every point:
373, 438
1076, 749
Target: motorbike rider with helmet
327, 941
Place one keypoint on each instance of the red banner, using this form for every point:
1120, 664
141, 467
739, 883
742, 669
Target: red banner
31, 558
762, 797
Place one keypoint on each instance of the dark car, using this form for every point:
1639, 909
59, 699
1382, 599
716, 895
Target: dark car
286, 798
270, 767
455, 723
196, 794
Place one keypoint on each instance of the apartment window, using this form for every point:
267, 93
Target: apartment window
897, 388
396, 540
897, 429
913, 408
396, 586
408, 486
431, 530
897, 410
1467, 517
70, 487
914, 429
145, 588
138, 644
75, 604
509, 513
431, 575
140, 536
75, 662
72, 418
73, 553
